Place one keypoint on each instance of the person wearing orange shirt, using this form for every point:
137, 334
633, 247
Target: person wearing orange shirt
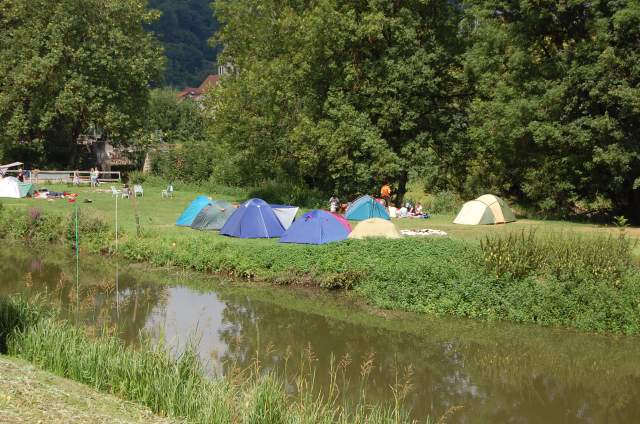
385, 193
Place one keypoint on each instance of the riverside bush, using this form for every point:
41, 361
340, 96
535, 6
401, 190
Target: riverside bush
176, 386
563, 256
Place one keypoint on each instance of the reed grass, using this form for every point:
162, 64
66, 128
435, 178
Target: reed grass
563, 256
178, 387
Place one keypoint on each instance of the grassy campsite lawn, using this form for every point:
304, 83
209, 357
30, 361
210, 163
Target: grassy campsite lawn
158, 215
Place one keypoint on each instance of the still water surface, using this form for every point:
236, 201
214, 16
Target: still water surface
496, 373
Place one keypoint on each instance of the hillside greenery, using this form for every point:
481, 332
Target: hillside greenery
184, 29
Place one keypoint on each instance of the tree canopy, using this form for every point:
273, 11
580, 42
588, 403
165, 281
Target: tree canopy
536, 101
70, 65
340, 95
555, 119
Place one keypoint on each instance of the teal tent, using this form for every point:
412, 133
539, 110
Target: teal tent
213, 216
366, 207
194, 208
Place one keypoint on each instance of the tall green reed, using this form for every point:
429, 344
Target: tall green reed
564, 256
178, 386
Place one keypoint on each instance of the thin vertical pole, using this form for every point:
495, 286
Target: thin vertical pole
116, 224
77, 264
117, 276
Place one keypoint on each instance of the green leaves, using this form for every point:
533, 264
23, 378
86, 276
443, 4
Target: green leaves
337, 94
553, 117
69, 65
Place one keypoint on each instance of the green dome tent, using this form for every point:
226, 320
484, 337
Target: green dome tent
213, 216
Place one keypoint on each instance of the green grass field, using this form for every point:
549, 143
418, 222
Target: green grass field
159, 214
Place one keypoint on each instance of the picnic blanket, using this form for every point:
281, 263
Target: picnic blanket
425, 232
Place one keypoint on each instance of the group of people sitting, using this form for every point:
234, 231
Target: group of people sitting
411, 211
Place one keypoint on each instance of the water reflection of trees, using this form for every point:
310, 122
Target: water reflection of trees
507, 378
106, 298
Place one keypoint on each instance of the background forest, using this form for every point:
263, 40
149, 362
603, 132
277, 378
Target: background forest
184, 29
537, 101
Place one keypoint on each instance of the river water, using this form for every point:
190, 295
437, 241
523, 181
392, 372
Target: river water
493, 373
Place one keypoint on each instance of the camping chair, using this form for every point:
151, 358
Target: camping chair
115, 192
168, 192
137, 189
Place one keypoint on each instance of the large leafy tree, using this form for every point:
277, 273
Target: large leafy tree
555, 120
339, 94
69, 65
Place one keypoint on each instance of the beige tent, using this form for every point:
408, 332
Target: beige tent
487, 209
375, 227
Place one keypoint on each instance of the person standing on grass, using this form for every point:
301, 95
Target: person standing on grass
93, 174
76, 178
334, 204
385, 193
20, 175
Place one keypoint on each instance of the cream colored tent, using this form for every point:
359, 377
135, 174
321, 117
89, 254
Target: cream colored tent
375, 227
487, 209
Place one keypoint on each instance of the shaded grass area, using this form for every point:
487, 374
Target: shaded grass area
178, 387
28, 395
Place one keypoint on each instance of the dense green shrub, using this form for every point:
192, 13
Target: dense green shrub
289, 194
433, 201
31, 226
567, 257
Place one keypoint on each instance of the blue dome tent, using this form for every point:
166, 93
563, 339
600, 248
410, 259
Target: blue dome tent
253, 219
194, 208
366, 207
316, 227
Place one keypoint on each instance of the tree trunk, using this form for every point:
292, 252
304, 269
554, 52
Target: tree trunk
146, 168
402, 188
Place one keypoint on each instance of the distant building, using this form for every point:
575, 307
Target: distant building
210, 82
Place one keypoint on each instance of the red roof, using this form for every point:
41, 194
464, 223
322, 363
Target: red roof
210, 82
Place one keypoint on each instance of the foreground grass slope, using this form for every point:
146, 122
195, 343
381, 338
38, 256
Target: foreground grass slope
29, 395
571, 279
